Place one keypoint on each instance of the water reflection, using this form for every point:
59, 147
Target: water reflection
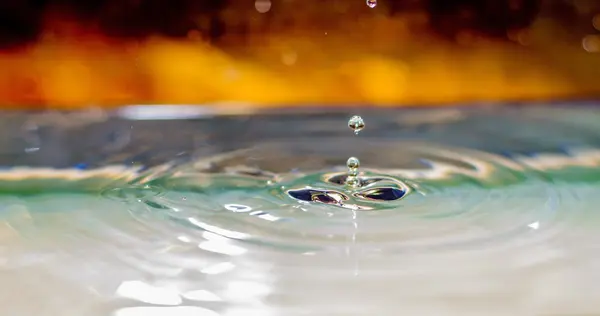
165, 311
215, 243
202, 296
218, 268
238, 208
212, 236
140, 291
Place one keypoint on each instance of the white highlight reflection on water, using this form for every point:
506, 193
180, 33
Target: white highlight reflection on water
146, 293
165, 311
83, 254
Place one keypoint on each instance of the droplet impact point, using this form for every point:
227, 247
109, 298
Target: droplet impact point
371, 3
353, 164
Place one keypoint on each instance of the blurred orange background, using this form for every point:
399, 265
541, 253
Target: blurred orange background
292, 52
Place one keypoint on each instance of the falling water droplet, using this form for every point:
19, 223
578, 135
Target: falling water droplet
353, 164
356, 123
371, 3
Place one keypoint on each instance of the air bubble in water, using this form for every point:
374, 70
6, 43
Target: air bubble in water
371, 3
356, 123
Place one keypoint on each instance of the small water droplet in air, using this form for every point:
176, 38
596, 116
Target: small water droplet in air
371, 3
356, 123
353, 164
262, 6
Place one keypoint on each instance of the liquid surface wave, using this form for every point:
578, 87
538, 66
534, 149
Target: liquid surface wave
489, 211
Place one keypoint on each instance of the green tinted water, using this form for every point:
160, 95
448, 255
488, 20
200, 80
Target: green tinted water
459, 212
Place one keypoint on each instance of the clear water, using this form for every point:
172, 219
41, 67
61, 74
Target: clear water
371, 3
480, 211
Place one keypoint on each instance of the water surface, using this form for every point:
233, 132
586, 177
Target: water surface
136, 213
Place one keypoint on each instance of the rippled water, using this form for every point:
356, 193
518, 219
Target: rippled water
494, 211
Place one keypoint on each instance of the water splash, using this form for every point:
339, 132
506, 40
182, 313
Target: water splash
356, 123
353, 164
348, 191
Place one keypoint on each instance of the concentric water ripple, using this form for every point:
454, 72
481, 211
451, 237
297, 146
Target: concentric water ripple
448, 200
444, 223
